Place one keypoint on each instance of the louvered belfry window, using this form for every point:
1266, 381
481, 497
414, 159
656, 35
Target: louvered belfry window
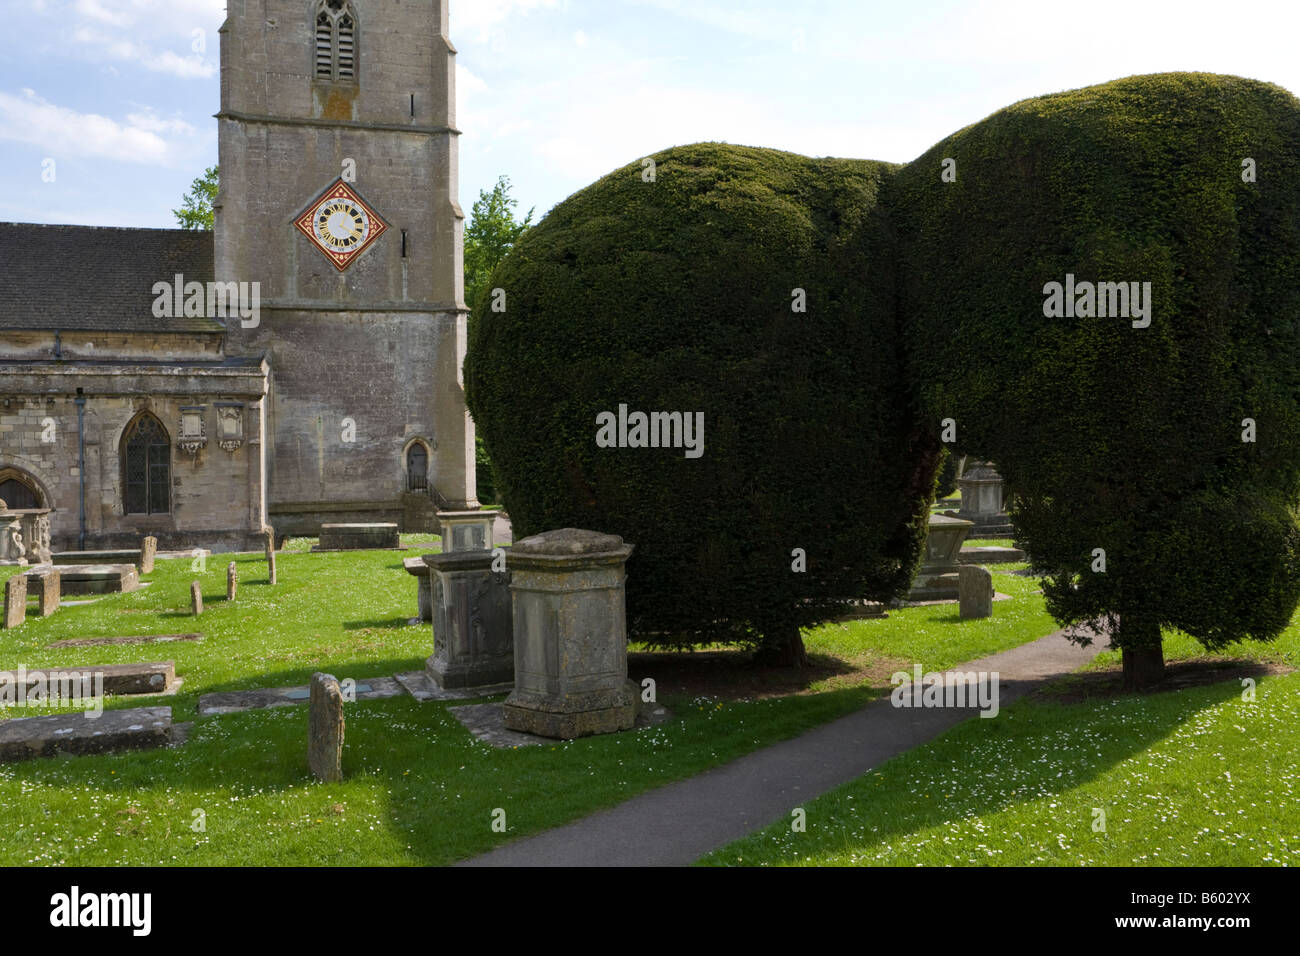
336, 41
146, 467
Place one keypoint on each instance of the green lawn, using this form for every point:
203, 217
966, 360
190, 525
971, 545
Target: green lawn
1192, 777
418, 789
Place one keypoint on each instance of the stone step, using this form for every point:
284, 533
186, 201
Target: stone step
118, 678
990, 554
131, 639
113, 731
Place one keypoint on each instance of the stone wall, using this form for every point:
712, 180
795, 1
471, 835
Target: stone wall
216, 495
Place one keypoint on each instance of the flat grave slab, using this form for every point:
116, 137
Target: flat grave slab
98, 578
375, 536
130, 639
113, 731
487, 722
233, 702
118, 678
116, 556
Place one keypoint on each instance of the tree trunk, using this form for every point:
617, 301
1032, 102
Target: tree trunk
783, 647
1143, 655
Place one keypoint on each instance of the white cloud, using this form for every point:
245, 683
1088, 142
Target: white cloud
121, 48
474, 20
150, 122
185, 67
580, 38
756, 24
94, 10
59, 131
466, 80
156, 35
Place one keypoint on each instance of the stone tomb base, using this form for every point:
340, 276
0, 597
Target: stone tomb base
379, 536
577, 715
473, 630
98, 578
487, 723
570, 635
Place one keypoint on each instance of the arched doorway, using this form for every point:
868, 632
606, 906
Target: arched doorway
417, 467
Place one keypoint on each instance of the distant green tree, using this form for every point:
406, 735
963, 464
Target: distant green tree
491, 233
196, 208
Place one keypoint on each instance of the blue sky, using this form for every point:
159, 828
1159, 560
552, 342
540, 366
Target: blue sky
120, 94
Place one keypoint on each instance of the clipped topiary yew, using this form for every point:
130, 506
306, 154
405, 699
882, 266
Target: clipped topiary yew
1106, 299
747, 289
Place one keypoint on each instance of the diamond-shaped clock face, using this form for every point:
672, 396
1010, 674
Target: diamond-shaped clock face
340, 224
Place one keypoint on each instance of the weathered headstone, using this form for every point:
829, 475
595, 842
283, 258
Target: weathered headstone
325, 729
15, 600
975, 587
570, 632
48, 588
232, 581
196, 599
148, 551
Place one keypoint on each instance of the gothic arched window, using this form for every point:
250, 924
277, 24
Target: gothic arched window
146, 467
336, 41
16, 491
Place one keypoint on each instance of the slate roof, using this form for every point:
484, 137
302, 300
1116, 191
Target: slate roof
97, 277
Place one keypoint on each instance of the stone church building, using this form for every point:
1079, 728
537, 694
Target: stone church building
300, 363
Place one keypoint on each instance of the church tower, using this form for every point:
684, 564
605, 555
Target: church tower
338, 195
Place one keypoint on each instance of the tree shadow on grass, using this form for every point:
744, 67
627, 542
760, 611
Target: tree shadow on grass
731, 674
946, 777
379, 624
